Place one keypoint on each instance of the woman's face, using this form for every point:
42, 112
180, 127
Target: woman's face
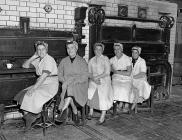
118, 50
41, 51
98, 51
135, 54
71, 49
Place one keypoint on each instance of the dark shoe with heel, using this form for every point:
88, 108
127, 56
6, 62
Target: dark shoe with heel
61, 116
89, 117
100, 123
76, 119
125, 110
30, 118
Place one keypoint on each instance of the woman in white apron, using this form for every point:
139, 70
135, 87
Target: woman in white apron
100, 95
34, 97
141, 88
121, 67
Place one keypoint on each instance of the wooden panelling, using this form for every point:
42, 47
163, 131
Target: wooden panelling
15, 44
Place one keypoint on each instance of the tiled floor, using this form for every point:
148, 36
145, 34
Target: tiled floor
164, 124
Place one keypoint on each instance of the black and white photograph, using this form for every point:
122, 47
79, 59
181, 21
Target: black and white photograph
90, 69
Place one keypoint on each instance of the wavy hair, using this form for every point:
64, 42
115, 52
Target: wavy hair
37, 43
99, 44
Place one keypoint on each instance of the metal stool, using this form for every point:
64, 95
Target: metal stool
45, 121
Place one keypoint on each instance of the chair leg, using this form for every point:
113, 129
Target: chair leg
152, 100
1, 114
86, 110
136, 107
83, 115
114, 108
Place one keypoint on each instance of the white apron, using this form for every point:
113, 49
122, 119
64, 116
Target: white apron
105, 92
44, 92
121, 84
143, 87
122, 88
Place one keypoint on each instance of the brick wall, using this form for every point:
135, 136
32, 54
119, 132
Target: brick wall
62, 15
60, 18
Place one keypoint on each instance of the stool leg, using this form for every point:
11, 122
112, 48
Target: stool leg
44, 119
54, 113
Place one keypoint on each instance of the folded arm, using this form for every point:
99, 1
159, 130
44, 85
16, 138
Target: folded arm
139, 75
126, 72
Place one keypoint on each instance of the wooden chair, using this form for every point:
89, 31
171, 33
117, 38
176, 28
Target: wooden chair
147, 105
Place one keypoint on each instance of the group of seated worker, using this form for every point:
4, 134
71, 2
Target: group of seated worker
84, 84
129, 80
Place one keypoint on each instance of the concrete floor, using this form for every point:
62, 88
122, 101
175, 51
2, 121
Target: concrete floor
164, 124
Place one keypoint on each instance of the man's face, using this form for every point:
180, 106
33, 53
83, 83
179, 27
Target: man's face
118, 50
71, 49
135, 54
